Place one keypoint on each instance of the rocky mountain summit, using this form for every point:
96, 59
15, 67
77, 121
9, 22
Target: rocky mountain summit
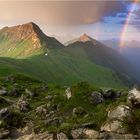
31, 109
84, 38
22, 31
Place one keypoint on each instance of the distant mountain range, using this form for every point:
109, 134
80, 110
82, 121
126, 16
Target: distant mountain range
112, 43
26, 49
115, 43
130, 50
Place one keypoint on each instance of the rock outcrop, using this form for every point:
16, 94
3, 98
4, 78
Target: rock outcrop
116, 119
23, 104
4, 113
68, 93
4, 133
111, 94
120, 113
62, 136
96, 98
134, 98
40, 136
78, 111
3, 91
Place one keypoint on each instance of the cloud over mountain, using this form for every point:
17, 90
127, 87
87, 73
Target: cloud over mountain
58, 12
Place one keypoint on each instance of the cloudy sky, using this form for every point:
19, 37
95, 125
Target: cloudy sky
69, 19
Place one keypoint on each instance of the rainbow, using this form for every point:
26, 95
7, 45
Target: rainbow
128, 19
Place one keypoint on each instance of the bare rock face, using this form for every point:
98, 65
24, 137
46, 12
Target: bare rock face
68, 93
116, 118
91, 134
61, 136
115, 136
23, 31
83, 133
120, 113
4, 113
40, 136
96, 98
43, 136
84, 38
41, 111
23, 104
3, 91
95, 135
4, 133
134, 98
111, 94
77, 133
113, 126
79, 111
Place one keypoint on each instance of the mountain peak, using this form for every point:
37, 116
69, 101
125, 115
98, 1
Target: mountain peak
84, 38
31, 23
28, 28
85, 35
31, 26
22, 30
26, 40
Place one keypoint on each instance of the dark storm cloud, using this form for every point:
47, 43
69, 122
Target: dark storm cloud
66, 12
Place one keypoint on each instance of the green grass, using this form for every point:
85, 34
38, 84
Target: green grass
3, 102
10, 47
63, 69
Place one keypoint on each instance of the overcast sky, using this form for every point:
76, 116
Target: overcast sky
67, 20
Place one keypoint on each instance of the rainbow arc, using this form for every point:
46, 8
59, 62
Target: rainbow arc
128, 19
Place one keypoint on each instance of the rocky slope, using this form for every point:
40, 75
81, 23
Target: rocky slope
31, 109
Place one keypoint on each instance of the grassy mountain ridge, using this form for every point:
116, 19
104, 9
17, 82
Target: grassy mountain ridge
26, 49
102, 55
62, 71
25, 40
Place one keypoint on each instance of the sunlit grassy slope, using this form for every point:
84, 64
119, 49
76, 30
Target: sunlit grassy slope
63, 67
